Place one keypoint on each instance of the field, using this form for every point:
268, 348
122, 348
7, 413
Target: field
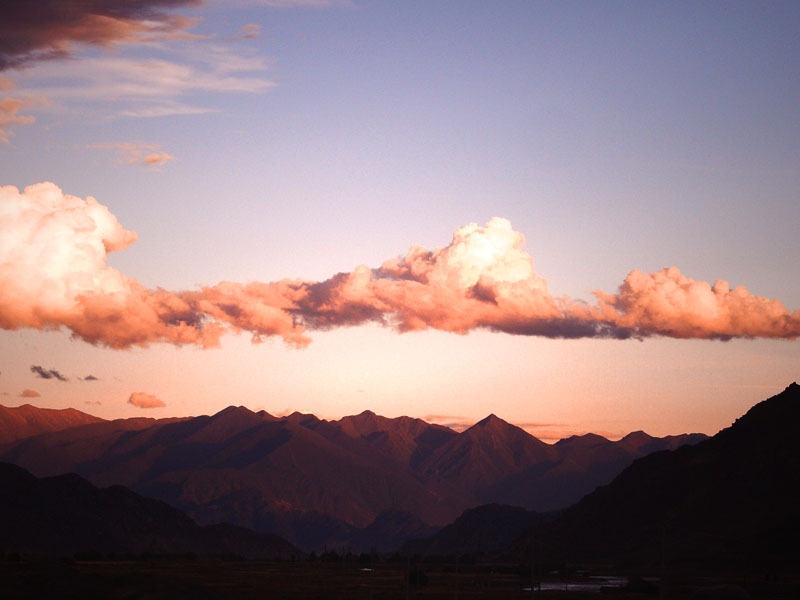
346, 580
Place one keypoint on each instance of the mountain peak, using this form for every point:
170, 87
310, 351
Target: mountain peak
234, 410
491, 421
637, 437
585, 440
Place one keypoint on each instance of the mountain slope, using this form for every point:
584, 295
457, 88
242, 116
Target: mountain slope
477, 531
731, 497
66, 514
25, 421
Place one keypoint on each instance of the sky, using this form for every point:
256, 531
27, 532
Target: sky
577, 216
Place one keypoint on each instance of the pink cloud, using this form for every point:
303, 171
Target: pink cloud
142, 400
55, 275
29, 394
9, 113
131, 153
251, 31
670, 304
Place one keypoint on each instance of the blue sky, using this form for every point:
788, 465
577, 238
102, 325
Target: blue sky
613, 136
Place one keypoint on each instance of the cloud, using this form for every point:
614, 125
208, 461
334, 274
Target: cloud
454, 422
670, 304
251, 31
9, 109
131, 153
47, 373
142, 400
54, 274
303, 3
91, 378
47, 29
93, 402
151, 87
29, 394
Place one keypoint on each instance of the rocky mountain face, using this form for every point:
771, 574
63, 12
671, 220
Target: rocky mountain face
330, 483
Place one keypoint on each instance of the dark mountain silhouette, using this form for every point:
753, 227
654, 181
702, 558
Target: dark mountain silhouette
66, 514
730, 500
389, 530
325, 483
481, 530
25, 421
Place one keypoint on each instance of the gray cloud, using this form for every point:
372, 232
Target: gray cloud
47, 373
46, 29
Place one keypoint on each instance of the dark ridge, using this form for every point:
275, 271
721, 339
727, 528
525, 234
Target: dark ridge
65, 515
724, 503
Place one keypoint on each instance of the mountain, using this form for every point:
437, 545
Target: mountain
729, 501
25, 421
481, 530
485, 454
324, 483
66, 514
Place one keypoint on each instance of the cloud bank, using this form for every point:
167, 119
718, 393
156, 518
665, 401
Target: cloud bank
142, 400
53, 274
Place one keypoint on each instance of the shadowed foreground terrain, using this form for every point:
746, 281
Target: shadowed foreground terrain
65, 515
728, 504
355, 579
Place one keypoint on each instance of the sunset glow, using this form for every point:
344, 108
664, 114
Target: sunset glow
575, 217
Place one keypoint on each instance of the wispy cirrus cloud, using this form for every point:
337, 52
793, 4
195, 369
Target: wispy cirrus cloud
51, 29
251, 31
131, 153
10, 108
301, 3
159, 68
55, 275
149, 87
455, 422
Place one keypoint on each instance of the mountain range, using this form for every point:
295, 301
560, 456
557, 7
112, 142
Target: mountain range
362, 482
